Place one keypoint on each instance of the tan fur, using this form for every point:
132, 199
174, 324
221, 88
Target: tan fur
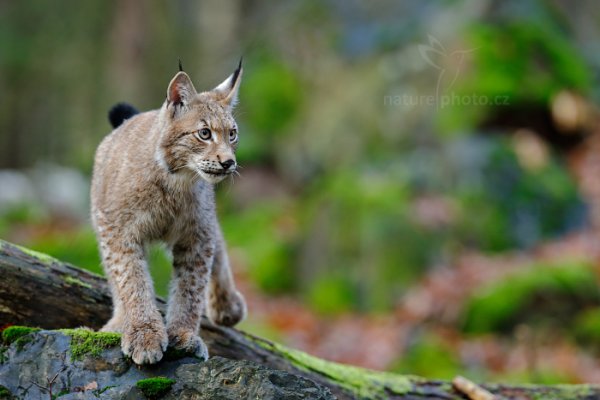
153, 181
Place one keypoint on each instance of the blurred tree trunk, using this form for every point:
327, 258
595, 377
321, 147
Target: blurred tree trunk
128, 39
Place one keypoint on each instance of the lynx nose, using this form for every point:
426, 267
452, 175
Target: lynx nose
227, 164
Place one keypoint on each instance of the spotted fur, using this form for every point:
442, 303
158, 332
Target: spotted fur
153, 181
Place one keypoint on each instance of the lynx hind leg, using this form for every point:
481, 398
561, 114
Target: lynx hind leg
226, 306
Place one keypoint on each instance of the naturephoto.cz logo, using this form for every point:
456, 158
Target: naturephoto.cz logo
449, 65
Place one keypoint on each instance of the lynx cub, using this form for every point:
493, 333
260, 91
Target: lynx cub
153, 180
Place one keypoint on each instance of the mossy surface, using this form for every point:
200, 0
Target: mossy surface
63, 392
98, 392
363, 382
5, 393
43, 258
74, 281
154, 388
85, 342
19, 335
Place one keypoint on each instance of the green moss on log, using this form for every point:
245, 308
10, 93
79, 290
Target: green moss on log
363, 382
369, 384
74, 281
18, 335
85, 342
154, 388
43, 258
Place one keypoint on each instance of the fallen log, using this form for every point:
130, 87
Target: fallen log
37, 290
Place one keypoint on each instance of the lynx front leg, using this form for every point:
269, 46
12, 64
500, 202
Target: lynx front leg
226, 305
136, 315
191, 272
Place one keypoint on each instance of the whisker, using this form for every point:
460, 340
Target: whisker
197, 175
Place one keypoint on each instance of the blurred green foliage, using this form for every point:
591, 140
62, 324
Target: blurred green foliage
547, 296
275, 96
430, 357
356, 221
19, 214
517, 61
331, 295
528, 61
586, 327
257, 233
514, 206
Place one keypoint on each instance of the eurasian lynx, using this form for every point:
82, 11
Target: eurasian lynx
153, 181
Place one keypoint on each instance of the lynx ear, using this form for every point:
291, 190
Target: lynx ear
181, 89
227, 91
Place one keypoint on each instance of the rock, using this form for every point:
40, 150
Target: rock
220, 378
43, 366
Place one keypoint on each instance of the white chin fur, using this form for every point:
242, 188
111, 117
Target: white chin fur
211, 178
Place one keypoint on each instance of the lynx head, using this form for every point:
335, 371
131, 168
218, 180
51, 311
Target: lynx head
200, 134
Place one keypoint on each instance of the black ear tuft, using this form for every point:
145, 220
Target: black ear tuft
180, 66
236, 73
227, 91
120, 112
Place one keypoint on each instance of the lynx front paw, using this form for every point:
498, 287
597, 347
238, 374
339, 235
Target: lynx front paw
145, 342
227, 309
189, 342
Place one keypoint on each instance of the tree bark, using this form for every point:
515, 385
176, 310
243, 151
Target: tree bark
40, 291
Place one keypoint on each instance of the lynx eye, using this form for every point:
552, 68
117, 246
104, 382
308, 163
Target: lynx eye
233, 135
204, 134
